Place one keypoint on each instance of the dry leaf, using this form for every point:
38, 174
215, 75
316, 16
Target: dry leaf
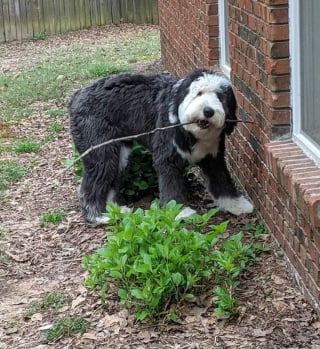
77, 301
89, 335
257, 332
278, 280
36, 317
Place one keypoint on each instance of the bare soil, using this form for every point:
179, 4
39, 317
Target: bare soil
35, 260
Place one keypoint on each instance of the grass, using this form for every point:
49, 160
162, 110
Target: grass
66, 327
72, 67
54, 217
25, 146
56, 127
50, 79
51, 301
11, 171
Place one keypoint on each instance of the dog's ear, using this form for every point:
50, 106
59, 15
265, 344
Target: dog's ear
229, 103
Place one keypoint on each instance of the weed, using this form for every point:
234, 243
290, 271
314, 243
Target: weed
10, 171
54, 217
141, 177
56, 127
51, 301
66, 327
53, 113
40, 36
99, 70
25, 146
155, 260
78, 166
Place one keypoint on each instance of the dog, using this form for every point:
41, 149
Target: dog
128, 104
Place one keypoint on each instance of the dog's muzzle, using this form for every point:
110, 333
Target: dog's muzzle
207, 113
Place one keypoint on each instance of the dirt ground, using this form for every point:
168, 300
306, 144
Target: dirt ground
35, 260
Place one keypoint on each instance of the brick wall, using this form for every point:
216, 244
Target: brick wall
189, 34
280, 179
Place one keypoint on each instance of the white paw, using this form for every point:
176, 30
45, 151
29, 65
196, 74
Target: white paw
100, 220
236, 206
186, 212
125, 209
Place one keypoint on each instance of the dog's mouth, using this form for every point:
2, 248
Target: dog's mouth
203, 124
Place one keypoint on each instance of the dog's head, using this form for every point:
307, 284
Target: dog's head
207, 99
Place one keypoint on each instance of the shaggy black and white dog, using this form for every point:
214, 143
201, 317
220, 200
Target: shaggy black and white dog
128, 104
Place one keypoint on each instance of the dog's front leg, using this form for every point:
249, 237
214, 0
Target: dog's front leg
171, 183
221, 186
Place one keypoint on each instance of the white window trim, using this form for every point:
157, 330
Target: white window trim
304, 142
223, 32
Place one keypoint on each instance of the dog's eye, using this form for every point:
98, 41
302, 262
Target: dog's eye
199, 93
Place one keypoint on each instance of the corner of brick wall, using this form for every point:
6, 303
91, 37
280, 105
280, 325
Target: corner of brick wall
189, 34
281, 181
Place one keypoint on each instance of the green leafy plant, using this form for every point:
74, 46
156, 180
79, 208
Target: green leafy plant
54, 217
78, 166
40, 36
156, 260
51, 301
141, 178
107, 69
25, 146
66, 327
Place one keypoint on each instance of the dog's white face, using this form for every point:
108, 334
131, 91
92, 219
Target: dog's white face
203, 106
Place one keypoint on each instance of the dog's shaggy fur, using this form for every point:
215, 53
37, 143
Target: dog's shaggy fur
125, 104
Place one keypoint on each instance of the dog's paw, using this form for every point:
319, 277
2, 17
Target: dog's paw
125, 209
186, 212
101, 220
236, 206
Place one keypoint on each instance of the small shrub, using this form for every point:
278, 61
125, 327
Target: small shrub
155, 260
25, 146
99, 70
140, 178
51, 301
54, 217
66, 327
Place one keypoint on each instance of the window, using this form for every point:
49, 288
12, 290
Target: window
224, 36
305, 75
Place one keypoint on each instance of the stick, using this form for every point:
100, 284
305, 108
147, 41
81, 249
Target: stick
128, 138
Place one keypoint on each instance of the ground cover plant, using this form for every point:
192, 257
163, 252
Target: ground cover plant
155, 260
55, 300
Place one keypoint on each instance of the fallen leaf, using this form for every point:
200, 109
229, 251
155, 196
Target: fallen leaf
144, 336
89, 335
257, 332
278, 280
36, 317
77, 301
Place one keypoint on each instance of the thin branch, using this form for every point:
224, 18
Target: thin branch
129, 138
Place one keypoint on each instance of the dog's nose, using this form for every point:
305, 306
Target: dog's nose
208, 112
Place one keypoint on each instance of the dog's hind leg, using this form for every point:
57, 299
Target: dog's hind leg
99, 183
221, 186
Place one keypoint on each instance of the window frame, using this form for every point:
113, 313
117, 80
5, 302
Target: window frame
224, 40
304, 142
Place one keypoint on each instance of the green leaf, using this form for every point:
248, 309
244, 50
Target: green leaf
136, 293
177, 278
